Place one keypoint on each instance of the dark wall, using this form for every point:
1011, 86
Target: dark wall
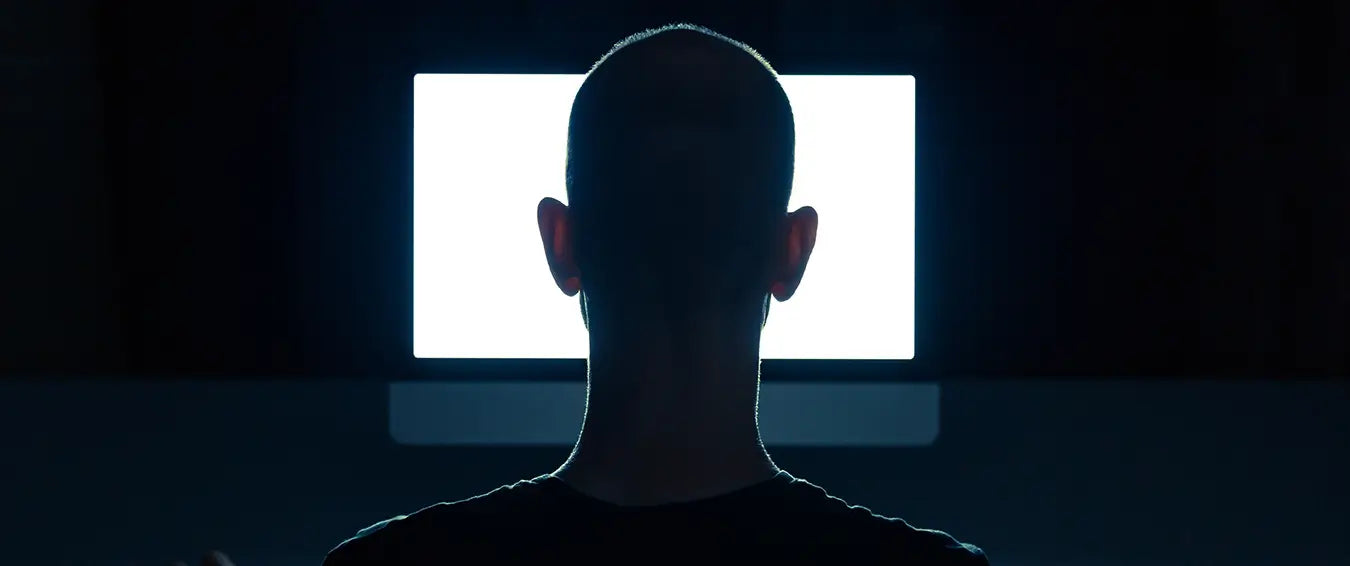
1106, 189
60, 283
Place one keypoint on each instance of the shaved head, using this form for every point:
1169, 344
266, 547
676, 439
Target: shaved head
679, 170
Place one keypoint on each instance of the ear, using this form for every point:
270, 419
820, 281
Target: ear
555, 229
799, 239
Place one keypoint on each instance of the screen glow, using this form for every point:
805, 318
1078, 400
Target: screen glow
486, 148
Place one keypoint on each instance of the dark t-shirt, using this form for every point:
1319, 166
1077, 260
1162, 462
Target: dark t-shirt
783, 519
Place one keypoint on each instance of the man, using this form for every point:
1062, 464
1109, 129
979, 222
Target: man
679, 167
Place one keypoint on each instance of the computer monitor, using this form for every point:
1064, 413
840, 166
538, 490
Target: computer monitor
487, 147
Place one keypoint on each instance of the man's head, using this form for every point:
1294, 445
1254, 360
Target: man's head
679, 169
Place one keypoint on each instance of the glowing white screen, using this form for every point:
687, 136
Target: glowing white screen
486, 148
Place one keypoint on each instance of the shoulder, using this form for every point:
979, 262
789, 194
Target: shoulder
940, 548
419, 534
387, 540
895, 536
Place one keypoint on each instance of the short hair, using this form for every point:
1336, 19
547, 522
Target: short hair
680, 158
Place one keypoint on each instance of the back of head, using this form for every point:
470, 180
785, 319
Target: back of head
679, 170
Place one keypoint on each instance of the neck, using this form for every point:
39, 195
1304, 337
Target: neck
670, 416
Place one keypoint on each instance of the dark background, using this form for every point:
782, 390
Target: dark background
1104, 188
206, 280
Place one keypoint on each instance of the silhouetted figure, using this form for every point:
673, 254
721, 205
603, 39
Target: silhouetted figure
679, 167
